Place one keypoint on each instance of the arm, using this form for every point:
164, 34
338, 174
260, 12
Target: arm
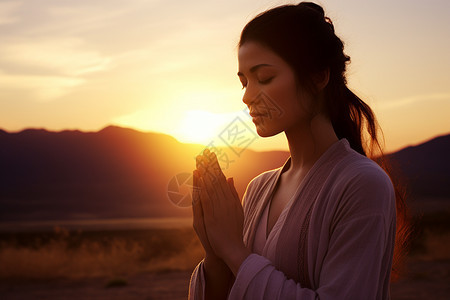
217, 277
358, 259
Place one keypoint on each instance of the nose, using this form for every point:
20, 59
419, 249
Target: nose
249, 95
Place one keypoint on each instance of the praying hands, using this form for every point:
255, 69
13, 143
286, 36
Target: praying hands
218, 213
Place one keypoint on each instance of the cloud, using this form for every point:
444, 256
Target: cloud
7, 8
66, 42
67, 56
42, 54
48, 68
44, 88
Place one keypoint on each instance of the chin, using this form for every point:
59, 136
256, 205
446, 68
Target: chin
266, 132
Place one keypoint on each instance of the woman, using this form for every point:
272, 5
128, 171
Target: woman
324, 224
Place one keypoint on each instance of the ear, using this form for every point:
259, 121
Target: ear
321, 79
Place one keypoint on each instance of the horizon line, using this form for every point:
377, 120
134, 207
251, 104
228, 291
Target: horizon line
188, 143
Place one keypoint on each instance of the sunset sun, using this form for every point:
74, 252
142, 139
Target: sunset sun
199, 126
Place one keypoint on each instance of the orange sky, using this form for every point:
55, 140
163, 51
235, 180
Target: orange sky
171, 66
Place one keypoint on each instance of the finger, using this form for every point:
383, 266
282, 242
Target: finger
199, 224
215, 166
210, 159
230, 182
196, 204
205, 200
203, 159
207, 160
197, 212
207, 156
195, 187
205, 169
221, 178
200, 161
210, 181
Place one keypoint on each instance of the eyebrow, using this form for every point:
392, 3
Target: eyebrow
254, 68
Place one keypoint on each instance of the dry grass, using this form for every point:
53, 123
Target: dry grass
64, 254
121, 253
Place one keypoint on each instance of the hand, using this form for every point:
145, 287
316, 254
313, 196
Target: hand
222, 212
198, 223
217, 273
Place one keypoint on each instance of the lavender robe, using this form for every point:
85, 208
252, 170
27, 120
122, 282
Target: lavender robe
334, 241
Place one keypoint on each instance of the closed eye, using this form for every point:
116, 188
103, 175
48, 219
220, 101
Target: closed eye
266, 81
261, 82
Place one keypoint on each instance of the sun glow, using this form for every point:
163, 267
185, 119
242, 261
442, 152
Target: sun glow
199, 126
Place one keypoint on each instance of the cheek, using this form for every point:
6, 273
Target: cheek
284, 97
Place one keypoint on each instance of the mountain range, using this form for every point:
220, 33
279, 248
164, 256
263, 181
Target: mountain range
124, 173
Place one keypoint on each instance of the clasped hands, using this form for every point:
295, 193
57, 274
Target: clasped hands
218, 214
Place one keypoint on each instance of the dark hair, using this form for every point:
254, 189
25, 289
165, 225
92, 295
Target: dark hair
305, 38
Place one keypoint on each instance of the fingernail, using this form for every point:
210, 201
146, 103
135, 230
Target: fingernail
206, 151
213, 156
198, 160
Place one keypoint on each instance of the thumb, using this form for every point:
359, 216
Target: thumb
230, 182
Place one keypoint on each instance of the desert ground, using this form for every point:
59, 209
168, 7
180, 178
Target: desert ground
428, 280
157, 263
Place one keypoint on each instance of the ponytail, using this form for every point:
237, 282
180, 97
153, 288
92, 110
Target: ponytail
350, 116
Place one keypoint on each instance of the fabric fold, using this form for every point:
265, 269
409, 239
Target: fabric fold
335, 241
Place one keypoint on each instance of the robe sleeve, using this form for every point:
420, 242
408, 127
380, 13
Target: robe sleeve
197, 283
358, 258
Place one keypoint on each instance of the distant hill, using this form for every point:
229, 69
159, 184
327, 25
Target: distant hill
123, 173
114, 173
425, 167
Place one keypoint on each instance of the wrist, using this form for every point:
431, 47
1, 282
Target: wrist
235, 259
214, 263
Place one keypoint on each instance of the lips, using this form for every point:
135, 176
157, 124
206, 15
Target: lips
256, 114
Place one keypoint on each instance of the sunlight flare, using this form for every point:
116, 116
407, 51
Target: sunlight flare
198, 126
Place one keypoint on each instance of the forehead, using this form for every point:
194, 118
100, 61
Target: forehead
253, 53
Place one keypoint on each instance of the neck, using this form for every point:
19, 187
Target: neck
308, 143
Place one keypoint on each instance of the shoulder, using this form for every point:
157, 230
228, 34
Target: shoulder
362, 187
263, 178
360, 171
257, 185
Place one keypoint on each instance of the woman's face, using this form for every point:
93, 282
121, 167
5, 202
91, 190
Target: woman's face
271, 90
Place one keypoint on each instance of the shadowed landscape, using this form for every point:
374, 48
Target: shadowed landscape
88, 214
